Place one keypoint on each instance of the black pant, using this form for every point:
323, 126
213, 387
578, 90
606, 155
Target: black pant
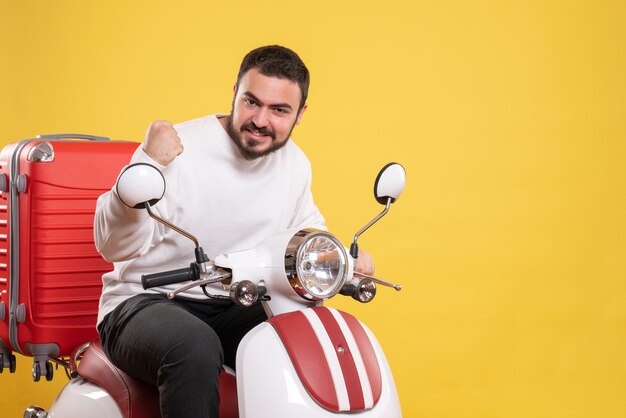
179, 346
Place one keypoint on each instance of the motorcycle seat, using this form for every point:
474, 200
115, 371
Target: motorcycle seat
137, 399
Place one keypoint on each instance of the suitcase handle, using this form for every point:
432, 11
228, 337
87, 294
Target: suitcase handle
78, 136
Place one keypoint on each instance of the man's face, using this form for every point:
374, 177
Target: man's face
265, 111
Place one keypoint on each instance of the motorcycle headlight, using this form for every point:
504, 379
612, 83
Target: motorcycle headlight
316, 264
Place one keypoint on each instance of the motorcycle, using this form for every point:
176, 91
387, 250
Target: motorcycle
306, 360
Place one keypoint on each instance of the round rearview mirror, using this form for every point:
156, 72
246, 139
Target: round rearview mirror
140, 184
389, 183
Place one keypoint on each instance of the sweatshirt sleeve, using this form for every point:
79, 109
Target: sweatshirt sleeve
122, 233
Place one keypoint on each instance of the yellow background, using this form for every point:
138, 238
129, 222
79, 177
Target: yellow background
510, 239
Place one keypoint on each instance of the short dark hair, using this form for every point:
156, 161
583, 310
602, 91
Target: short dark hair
277, 61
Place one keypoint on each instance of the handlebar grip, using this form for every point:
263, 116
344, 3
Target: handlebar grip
169, 277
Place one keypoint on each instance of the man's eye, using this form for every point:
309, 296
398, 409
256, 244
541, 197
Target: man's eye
249, 102
280, 110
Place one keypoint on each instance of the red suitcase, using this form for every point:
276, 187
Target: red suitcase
50, 270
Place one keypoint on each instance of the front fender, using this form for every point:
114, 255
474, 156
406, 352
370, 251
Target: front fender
269, 384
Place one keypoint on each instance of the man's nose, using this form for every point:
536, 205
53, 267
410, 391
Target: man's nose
261, 117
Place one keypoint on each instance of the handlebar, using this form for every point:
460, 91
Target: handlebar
170, 277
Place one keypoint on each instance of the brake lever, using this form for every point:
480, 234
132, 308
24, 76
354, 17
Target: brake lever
205, 279
398, 287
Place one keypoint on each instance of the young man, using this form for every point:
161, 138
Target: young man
232, 180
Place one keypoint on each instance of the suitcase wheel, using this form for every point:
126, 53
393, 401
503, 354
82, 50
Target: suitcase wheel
37, 371
12, 363
42, 365
49, 371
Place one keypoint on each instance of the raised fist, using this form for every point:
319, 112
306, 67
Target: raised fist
162, 143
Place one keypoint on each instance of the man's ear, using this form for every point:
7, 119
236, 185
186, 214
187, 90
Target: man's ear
301, 113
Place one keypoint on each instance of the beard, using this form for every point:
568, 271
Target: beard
246, 146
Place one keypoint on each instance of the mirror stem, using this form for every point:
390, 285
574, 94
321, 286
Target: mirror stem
354, 248
201, 257
169, 225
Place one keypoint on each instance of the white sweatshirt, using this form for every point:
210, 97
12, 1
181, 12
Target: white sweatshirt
228, 203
